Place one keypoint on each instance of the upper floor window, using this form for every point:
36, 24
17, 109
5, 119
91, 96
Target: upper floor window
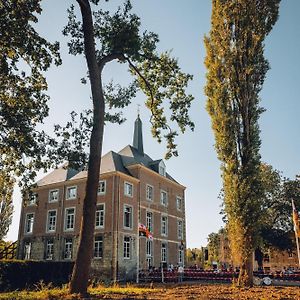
164, 225
71, 192
163, 198
53, 195
70, 219
127, 216
29, 220
149, 192
68, 249
101, 187
49, 253
98, 246
32, 199
51, 221
179, 203
128, 189
162, 168
149, 221
100, 212
179, 229
126, 247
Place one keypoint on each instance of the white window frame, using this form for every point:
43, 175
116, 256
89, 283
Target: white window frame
131, 216
100, 246
164, 254
127, 247
70, 251
162, 168
125, 189
180, 230
103, 192
150, 228
48, 221
166, 225
32, 198
100, 226
51, 252
149, 253
49, 195
180, 256
147, 194
26, 222
65, 219
67, 194
27, 253
161, 197
179, 200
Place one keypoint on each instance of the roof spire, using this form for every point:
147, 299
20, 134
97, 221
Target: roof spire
138, 134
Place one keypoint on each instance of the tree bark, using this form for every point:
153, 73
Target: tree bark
80, 275
246, 272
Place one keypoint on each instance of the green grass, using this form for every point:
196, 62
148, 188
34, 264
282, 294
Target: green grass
55, 293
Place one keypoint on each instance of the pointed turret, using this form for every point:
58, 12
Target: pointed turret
138, 135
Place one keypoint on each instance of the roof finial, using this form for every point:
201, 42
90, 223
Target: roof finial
138, 110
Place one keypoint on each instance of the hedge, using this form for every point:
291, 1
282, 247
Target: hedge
20, 274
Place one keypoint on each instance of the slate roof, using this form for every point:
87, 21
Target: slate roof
110, 162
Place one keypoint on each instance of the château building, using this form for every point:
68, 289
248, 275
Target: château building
134, 193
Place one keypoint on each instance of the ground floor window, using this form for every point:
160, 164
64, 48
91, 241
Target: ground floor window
126, 248
49, 250
68, 249
98, 246
27, 250
163, 252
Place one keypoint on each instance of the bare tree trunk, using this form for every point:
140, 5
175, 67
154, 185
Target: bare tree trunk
80, 276
246, 272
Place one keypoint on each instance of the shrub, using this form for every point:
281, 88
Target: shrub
19, 274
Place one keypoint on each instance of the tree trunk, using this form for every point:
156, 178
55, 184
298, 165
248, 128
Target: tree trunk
246, 272
80, 275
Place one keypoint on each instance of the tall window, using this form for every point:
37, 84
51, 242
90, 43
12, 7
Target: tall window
51, 221
164, 225
32, 198
27, 250
29, 223
128, 189
149, 220
68, 249
164, 198
69, 218
149, 192
126, 248
180, 256
127, 217
101, 187
100, 216
179, 229
179, 203
53, 195
149, 253
71, 192
49, 253
163, 252
98, 246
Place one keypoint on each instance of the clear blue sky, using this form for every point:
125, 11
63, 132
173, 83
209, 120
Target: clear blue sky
181, 26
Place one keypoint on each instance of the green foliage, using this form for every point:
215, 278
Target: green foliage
6, 205
118, 37
19, 274
236, 72
24, 56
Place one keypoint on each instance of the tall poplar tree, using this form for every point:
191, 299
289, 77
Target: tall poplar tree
104, 37
236, 69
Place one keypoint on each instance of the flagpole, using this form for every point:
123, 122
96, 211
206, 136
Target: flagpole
295, 229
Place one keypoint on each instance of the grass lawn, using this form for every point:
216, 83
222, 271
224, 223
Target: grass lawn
169, 291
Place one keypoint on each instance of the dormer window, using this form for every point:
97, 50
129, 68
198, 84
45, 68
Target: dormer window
162, 168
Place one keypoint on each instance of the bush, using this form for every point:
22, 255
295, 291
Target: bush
19, 274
